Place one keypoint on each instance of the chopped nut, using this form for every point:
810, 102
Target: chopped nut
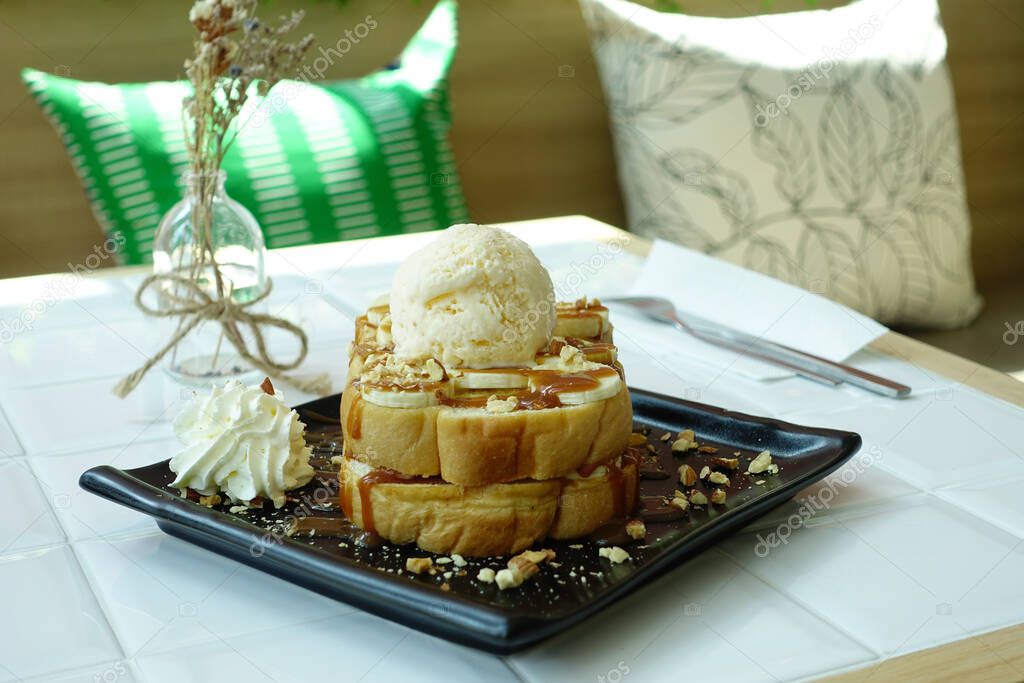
687, 475
688, 435
704, 472
636, 529
519, 570
458, 560
637, 439
418, 565
773, 469
707, 449
718, 478
683, 445
443, 560
523, 567
445, 587
501, 405
698, 498
759, 482
615, 554
209, 501
506, 579
486, 575
238, 509
760, 463
666, 436
726, 463
536, 556
680, 501
718, 497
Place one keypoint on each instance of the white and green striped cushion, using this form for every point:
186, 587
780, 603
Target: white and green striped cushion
315, 162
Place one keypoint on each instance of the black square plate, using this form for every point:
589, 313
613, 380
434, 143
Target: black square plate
452, 604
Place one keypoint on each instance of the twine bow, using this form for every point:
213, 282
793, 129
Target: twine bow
192, 305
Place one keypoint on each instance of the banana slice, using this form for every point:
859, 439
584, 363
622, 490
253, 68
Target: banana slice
601, 353
400, 397
490, 379
584, 324
607, 387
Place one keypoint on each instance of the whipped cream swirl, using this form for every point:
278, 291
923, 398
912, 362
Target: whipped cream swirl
241, 441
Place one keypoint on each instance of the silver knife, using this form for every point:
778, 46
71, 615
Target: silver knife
804, 364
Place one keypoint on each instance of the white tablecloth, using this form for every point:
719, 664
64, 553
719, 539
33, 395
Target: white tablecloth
919, 543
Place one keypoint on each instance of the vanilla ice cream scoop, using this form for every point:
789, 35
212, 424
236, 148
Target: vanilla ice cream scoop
476, 297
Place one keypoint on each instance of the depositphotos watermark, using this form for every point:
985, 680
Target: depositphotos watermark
813, 504
317, 499
59, 288
821, 69
285, 91
570, 285
614, 674
1014, 333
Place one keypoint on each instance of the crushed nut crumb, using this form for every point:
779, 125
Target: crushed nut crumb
418, 565
760, 463
615, 554
718, 478
687, 475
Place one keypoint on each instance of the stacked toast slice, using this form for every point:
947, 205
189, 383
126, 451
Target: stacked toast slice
487, 462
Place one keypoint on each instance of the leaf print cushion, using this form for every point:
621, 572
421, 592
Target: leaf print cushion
818, 147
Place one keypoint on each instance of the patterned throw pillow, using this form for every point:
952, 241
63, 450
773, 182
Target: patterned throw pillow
315, 162
818, 147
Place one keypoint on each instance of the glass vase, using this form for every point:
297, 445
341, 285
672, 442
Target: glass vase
205, 357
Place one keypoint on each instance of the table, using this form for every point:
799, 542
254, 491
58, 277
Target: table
913, 572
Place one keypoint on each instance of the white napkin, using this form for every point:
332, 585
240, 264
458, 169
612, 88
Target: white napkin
730, 295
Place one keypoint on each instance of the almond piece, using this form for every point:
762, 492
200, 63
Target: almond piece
486, 575
718, 478
726, 463
718, 497
666, 436
636, 529
760, 463
615, 554
687, 475
698, 498
418, 565
522, 568
537, 556
680, 501
506, 579
704, 472
683, 445
707, 449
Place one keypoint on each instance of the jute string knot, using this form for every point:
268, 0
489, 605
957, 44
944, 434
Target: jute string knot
189, 302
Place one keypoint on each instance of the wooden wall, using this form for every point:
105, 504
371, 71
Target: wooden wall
528, 141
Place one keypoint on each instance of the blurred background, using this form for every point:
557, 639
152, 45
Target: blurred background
530, 128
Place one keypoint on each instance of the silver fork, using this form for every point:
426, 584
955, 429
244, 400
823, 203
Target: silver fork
804, 364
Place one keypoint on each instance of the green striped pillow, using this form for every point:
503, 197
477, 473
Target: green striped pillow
315, 162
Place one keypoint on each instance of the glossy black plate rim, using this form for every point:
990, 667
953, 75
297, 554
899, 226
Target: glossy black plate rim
449, 615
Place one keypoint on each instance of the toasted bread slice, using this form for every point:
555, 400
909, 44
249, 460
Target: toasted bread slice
497, 519
473, 447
